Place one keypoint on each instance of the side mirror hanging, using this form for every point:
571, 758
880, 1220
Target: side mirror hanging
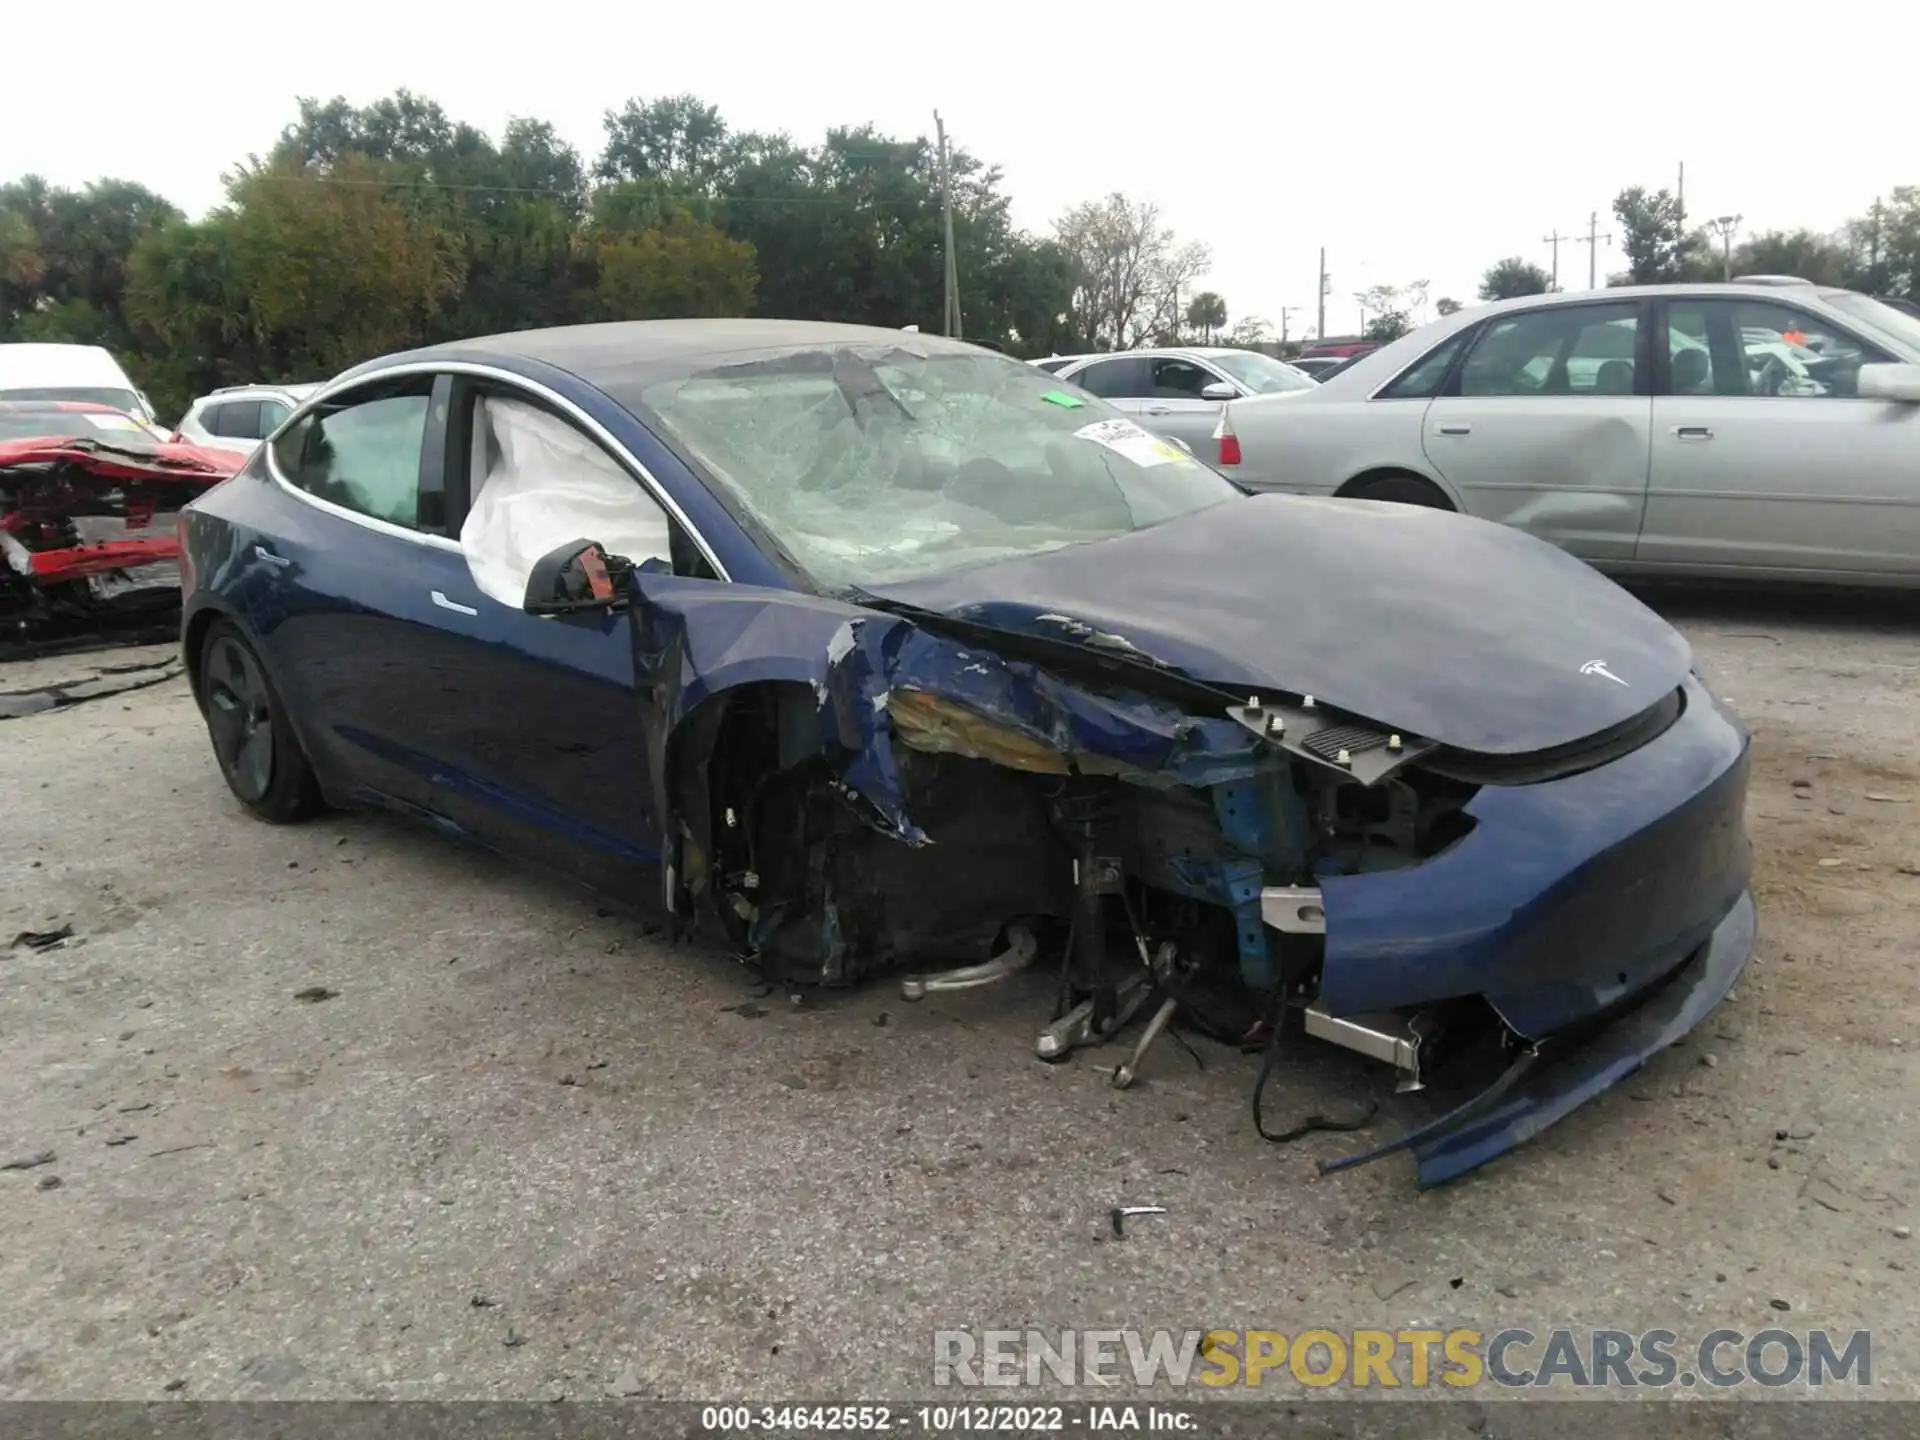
579, 575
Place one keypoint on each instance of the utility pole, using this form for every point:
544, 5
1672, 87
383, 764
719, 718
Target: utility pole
1724, 226
1592, 242
1554, 240
1320, 331
1680, 193
1286, 313
951, 322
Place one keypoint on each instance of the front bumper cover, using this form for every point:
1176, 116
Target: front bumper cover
1552, 1079
1601, 916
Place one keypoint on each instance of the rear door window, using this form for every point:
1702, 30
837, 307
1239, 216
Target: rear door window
235, 419
363, 454
1125, 378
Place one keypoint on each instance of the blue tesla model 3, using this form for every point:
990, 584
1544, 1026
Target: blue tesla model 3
880, 652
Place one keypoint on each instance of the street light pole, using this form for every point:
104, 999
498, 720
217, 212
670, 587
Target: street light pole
1724, 226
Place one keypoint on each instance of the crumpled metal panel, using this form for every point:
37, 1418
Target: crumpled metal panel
700, 640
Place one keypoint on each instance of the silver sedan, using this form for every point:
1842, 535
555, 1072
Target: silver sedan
1766, 430
1177, 392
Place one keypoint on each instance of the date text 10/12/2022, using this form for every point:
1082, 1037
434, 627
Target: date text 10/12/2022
1111, 1419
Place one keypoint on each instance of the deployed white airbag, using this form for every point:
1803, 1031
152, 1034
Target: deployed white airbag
546, 484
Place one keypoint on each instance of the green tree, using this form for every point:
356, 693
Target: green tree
674, 139
1885, 245
1446, 306
1513, 277
1659, 247
1811, 256
188, 301
1389, 309
1388, 325
1129, 270
684, 267
1207, 313
64, 256
510, 212
336, 264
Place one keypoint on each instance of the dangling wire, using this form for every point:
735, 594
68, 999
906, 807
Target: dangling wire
1276, 1013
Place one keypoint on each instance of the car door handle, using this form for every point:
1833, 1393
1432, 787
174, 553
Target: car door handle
440, 599
1692, 432
261, 552
1455, 427
1159, 409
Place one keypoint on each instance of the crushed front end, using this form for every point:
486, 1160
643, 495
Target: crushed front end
963, 803
86, 527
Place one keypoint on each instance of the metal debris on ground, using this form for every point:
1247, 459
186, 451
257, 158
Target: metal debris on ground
102, 685
1122, 1213
43, 939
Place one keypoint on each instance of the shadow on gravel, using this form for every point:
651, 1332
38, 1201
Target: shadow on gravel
1885, 611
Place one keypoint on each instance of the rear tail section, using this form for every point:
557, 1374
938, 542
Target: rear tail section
1224, 436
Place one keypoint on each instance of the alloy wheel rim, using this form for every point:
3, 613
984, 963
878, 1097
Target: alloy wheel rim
240, 718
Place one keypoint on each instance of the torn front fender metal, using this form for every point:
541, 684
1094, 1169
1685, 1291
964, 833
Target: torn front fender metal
935, 744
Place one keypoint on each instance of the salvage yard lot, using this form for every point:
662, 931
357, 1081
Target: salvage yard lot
528, 1149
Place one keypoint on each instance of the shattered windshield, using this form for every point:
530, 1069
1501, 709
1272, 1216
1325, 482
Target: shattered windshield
877, 463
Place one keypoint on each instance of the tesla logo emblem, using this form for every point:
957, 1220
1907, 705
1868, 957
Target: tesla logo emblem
1599, 667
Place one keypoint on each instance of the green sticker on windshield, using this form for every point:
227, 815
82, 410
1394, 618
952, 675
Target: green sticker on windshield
1063, 400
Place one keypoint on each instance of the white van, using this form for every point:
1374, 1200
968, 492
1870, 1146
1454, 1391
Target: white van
69, 372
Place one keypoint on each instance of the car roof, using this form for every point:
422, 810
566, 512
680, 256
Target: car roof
1205, 352
298, 391
626, 352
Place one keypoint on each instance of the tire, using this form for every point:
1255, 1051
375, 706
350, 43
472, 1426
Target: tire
257, 751
1400, 490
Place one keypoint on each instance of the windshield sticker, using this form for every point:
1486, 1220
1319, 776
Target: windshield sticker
1129, 442
1064, 400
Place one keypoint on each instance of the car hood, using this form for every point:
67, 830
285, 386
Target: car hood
1464, 632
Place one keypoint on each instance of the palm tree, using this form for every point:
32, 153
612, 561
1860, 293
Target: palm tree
1207, 314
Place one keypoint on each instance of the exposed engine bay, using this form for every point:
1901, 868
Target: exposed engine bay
1164, 851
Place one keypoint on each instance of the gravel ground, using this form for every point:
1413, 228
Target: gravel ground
527, 1150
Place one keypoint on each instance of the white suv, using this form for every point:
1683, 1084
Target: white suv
239, 417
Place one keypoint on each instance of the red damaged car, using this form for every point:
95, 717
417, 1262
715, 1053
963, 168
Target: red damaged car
87, 499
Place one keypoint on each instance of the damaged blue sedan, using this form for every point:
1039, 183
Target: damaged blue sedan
886, 654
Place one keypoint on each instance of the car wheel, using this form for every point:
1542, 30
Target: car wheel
1400, 490
258, 752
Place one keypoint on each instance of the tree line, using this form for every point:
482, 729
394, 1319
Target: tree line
1877, 252
373, 228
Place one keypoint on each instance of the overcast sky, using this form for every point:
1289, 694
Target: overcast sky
1413, 142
